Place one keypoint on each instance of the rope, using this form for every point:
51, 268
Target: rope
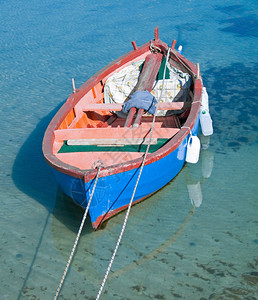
184, 64
186, 127
199, 101
154, 49
131, 201
77, 237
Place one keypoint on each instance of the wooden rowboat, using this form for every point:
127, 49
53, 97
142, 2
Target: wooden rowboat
90, 131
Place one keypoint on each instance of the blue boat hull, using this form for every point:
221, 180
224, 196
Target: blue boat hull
113, 193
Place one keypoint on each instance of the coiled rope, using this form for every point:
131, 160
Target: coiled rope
139, 175
77, 237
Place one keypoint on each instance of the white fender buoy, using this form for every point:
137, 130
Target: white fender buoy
205, 99
180, 49
193, 149
195, 194
205, 118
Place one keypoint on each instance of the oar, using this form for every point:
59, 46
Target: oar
145, 83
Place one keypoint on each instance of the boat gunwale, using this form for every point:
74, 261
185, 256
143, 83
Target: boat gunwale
74, 98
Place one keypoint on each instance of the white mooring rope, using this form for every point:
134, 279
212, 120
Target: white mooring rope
131, 201
77, 237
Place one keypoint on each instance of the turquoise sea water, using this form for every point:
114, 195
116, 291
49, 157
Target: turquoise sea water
170, 250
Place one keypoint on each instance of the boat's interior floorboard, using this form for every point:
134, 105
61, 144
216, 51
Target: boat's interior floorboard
127, 146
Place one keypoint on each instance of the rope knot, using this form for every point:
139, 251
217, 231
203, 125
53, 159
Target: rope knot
154, 49
98, 164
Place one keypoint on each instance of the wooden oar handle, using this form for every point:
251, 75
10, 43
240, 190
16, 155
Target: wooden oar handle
129, 119
138, 117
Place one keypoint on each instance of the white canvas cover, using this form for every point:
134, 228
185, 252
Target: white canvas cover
120, 84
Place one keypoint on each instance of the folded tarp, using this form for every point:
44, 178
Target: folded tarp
141, 99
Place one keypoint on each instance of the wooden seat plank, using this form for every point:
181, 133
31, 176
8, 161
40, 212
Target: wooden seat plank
113, 142
119, 106
113, 133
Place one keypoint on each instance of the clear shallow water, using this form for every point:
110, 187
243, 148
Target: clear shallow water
169, 250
